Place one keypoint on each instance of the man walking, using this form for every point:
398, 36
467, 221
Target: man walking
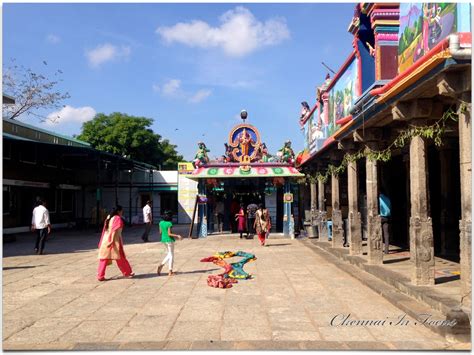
148, 220
220, 215
251, 210
385, 208
41, 224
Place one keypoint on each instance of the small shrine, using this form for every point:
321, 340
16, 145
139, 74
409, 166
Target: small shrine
245, 174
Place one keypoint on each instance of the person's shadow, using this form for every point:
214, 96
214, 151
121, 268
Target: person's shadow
154, 274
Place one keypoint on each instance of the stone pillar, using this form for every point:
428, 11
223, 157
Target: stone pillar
374, 223
355, 224
337, 225
465, 162
322, 225
202, 208
313, 230
421, 230
314, 199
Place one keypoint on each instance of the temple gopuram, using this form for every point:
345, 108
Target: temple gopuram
246, 174
392, 127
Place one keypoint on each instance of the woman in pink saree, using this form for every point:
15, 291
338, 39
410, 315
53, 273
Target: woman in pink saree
111, 245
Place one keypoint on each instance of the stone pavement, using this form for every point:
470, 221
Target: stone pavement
53, 301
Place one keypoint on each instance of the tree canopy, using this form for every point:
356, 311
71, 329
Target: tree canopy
130, 137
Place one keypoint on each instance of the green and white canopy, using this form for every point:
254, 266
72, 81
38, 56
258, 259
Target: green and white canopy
239, 172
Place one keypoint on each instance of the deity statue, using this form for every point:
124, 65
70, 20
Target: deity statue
244, 142
286, 153
305, 110
262, 155
201, 156
228, 153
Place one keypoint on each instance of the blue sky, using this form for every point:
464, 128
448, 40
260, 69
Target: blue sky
190, 67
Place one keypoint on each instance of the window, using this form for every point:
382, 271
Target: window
6, 199
28, 155
169, 202
50, 159
55, 140
7, 150
50, 198
67, 200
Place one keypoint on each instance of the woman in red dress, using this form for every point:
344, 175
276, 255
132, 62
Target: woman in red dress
241, 218
262, 223
111, 245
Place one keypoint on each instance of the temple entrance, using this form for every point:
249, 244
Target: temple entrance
246, 175
231, 193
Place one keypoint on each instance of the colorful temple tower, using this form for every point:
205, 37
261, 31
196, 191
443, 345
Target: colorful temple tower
246, 173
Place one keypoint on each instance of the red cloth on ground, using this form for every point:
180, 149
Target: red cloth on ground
218, 281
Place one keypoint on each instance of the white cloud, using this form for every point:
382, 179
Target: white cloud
53, 39
106, 52
200, 96
69, 114
240, 33
171, 87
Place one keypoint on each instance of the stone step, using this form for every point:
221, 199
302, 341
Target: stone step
413, 300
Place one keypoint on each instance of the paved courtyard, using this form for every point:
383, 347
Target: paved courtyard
54, 301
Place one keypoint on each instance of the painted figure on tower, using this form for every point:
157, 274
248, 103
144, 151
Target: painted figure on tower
243, 144
201, 157
286, 154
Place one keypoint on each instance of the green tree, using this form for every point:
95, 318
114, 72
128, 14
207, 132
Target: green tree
130, 137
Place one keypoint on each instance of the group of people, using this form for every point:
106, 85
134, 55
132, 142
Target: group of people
111, 242
256, 217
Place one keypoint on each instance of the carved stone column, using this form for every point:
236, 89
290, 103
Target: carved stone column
322, 226
314, 199
374, 223
421, 230
465, 157
337, 224
355, 224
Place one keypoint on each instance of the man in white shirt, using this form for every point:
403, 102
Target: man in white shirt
40, 223
148, 220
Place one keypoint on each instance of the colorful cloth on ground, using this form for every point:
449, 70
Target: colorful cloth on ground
232, 270
112, 234
219, 281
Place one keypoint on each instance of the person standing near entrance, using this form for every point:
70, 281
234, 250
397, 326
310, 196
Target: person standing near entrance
167, 238
240, 218
41, 224
111, 245
251, 210
385, 207
234, 209
148, 220
262, 223
220, 215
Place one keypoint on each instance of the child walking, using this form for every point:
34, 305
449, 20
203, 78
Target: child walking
168, 239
